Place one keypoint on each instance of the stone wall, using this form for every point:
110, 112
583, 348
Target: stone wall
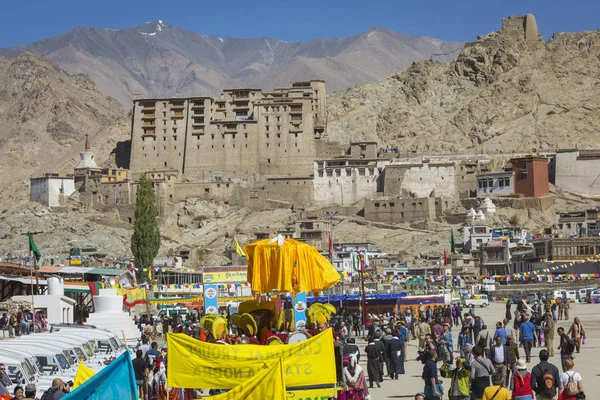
420, 180
400, 210
49, 190
346, 184
578, 172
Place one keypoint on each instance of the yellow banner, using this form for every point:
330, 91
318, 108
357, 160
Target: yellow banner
311, 394
195, 364
176, 301
225, 275
266, 384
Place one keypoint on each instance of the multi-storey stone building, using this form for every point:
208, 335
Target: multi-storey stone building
244, 131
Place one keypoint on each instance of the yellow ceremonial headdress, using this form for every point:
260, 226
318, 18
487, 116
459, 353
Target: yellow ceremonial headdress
274, 340
248, 323
236, 320
320, 313
286, 321
219, 326
207, 320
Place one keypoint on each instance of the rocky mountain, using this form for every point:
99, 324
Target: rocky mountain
509, 90
44, 116
157, 59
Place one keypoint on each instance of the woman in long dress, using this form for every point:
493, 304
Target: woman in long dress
354, 378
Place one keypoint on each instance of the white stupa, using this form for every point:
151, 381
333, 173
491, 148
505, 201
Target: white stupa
487, 206
108, 314
480, 216
471, 215
86, 158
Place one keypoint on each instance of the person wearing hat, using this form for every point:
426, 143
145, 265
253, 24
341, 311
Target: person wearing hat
30, 391
460, 379
522, 382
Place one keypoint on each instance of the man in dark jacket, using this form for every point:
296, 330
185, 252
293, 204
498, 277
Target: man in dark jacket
373, 362
537, 378
395, 351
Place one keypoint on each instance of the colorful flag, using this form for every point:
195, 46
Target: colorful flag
445, 258
238, 248
115, 381
452, 243
330, 248
33, 248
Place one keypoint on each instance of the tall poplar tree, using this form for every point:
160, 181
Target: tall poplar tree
145, 241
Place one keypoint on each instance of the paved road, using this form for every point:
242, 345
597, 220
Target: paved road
586, 363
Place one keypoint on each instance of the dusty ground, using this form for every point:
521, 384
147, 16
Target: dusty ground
585, 362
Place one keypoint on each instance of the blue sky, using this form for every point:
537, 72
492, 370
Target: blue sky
26, 21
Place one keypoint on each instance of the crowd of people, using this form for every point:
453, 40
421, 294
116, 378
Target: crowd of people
482, 363
22, 322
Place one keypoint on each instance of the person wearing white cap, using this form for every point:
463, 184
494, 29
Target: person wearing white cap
522, 381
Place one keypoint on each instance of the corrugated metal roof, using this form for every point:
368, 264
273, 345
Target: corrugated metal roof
47, 269
22, 280
75, 270
106, 271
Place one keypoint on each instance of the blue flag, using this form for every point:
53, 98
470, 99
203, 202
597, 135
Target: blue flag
115, 381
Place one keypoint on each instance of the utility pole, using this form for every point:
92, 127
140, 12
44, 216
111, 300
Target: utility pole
33, 265
362, 284
332, 214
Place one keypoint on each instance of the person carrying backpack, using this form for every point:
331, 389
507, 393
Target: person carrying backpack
571, 384
545, 378
566, 347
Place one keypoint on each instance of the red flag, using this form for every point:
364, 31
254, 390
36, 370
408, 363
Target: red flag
445, 258
330, 248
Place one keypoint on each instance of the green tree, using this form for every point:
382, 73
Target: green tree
145, 241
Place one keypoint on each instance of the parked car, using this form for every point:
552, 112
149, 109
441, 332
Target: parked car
477, 300
594, 294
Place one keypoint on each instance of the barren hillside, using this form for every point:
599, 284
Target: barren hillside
44, 116
502, 93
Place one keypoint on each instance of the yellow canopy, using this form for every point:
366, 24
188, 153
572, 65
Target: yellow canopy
292, 267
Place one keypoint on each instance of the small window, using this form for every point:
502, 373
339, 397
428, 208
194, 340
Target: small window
376, 205
206, 190
392, 204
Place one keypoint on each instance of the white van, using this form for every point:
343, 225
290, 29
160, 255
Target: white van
105, 342
75, 350
594, 294
477, 300
50, 360
571, 294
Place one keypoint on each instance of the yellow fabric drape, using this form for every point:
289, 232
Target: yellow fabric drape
294, 267
266, 384
83, 374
